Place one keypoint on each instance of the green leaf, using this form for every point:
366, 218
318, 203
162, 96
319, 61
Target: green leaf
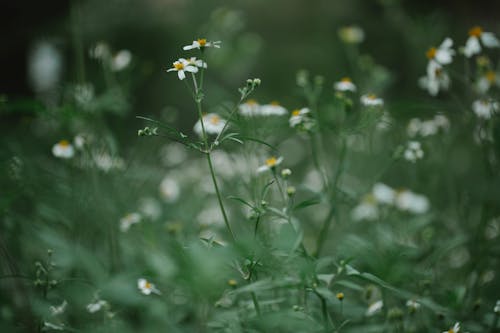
307, 203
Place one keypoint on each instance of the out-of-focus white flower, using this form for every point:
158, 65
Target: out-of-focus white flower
496, 309
96, 306
196, 62
250, 108
79, 141
436, 79
411, 202
173, 154
487, 80
146, 287
212, 122
371, 100
45, 67
351, 34
100, 51
383, 194
63, 149
150, 207
485, 109
298, 117
83, 94
374, 308
272, 109
106, 162
270, 164
59, 309
476, 34
345, 84
454, 329
413, 305
413, 151
384, 122
443, 54
202, 43
366, 210
181, 66
427, 127
169, 189
128, 220
121, 60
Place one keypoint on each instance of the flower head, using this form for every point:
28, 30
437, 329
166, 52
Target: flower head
128, 220
411, 202
146, 287
351, 34
63, 149
345, 84
485, 109
250, 108
196, 62
371, 100
374, 308
169, 189
454, 329
473, 45
202, 43
366, 210
96, 306
442, 54
413, 151
182, 66
212, 123
270, 164
487, 80
272, 109
121, 60
299, 117
436, 79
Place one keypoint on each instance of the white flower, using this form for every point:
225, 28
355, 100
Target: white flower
97, 306
345, 84
411, 202
443, 54
212, 122
181, 66
351, 34
146, 287
383, 193
496, 309
487, 80
100, 51
201, 43
169, 189
271, 163
57, 310
437, 79
150, 207
250, 108
121, 60
366, 210
79, 141
413, 151
128, 220
63, 149
413, 305
298, 117
371, 100
106, 162
272, 109
196, 62
454, 329
484, 108
476, 34
374, 308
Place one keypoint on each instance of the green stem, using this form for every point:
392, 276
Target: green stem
255, 303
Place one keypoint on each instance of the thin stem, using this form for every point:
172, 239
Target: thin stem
255, 303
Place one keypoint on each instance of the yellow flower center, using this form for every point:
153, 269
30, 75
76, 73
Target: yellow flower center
232, 282
275, 103
340, 296
271, 162
202, 42
148, 285
370, 198
346, 79
451, 330
178, 65
214, 120
475, 31
431, 53
490, 76
372, 96
64, 143
251, 102
296, 113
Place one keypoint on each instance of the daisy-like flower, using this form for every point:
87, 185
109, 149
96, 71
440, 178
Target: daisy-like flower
345, 84
181, 66
250, 108
366, 210
298, 117
437, 79
272, 109
63, 149
202, 43
454, 329
270, 164
487, 80
484, 108
351, 34
442, 54
374, 308
413, 151
383, 194
128, 220
169, 189
96, 306
121, 60
371, 100
196, 62
411, 202
212, 122
476, 34
496, 309
412, 305
56, 310
146, 287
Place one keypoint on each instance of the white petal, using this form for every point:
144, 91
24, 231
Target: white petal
472, 47
489, 39
191, 69
444, 56
181, 75
446, 44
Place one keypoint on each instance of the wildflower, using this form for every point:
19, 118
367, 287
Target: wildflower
128, 220
272, 109
437, 79
371, 100
146, 287
79, 141
201, 44
196, 62
96, 306
487, 80
412, 305
374, 308
345, 84
285, 173
100, 51
476, 34
443, 54
212, 123
57, 310
169, 189
496, 309
383, 193
106, 162
63, 149
270, 164
250, 108
121, 60
413, 151
83, 94
232, 282
427, 127
290, 190
181, 66
484, 108
298, 117
454, 329
406, 200
366, 210
351, 34
340, 296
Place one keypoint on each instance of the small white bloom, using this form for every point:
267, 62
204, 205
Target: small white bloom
212, 122
250, 108
201, 43
454, 329
271, 163
96, 306
150, 207
366, 210
106, 162
411, 202
351, 34
181, 66
169, 189
345, 84
413, 151
487, 80
383, 194
196, 62
298, 117
272, 109
443, 54
371, 100
496, 309
79, 141
100, 51
63, 149
485, 109
413, 305
121, 60
59, 309
374, 308
146, 287
476, 34
128, 220
437, 79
